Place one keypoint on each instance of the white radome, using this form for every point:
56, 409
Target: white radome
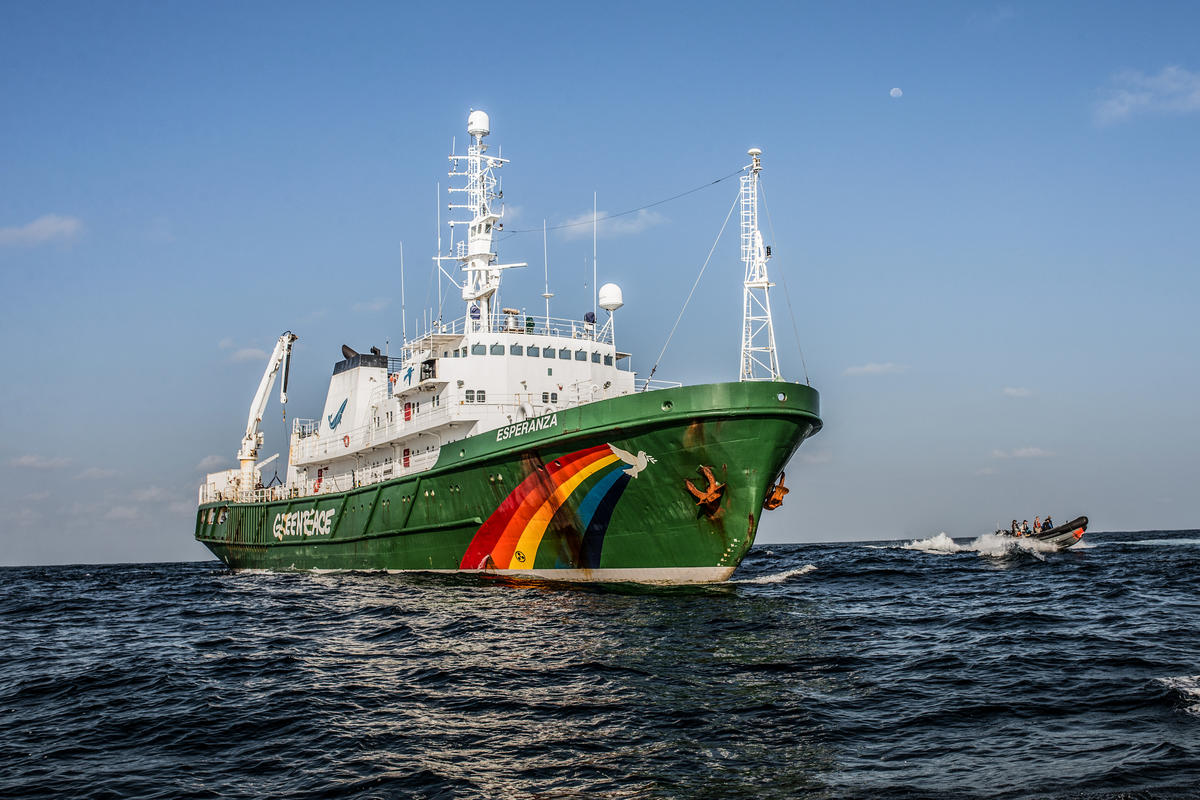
610, 297
478, 124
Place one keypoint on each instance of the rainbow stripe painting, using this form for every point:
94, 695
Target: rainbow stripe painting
512, 536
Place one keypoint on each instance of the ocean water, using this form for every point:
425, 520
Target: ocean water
935, 668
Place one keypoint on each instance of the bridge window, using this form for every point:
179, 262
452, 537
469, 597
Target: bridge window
595, 358
497, 349
533, 351
564, 353
548, 352
470, 396
607, 360
515, 349
479, 396
478, 350
581, 355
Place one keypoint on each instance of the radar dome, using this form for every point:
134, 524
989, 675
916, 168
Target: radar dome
610, 297
478, 124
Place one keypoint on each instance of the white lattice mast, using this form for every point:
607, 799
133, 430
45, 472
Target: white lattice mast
760, 361
475, 254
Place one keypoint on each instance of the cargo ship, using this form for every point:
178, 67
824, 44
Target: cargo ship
516, 444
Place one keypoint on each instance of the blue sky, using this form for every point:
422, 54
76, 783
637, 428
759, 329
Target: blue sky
994, 275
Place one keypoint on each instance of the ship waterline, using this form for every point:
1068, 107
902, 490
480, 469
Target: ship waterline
602, 495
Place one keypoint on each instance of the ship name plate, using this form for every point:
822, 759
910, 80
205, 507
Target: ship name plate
521, 428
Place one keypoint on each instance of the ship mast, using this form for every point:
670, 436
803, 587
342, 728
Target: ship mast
475, 254
759, 359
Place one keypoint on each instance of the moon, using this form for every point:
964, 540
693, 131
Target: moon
896, 93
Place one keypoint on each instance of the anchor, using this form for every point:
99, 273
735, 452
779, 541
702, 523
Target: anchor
710, 498
775, 495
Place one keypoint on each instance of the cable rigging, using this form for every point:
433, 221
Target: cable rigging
519, 231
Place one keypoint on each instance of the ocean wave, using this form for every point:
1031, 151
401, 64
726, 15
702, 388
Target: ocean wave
1188, 689
990, 544
779, 577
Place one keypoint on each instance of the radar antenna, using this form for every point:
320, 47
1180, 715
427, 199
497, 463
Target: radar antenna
475, 254
760, 361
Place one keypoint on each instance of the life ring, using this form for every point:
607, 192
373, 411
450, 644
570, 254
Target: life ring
346, 440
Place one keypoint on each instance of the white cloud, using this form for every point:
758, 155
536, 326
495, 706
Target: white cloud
817, 457
580, 226
44, 229
992, 19
1173, 90
36, 496
93, 473
210, 463
225, 343
1017, 391
249, 354
150, 494
39, 462
876, 369
372, 306
896, 92
985, 471
1022, 452
122, 513
181, 507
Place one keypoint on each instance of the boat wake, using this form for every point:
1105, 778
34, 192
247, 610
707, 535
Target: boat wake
989, 544
1188, 688
780, 577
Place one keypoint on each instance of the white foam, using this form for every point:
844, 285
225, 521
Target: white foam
779, 577
1188, 687
934, 544
990, 544
1164, 542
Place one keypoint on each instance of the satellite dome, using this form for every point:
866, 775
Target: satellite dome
478, 124
610, 297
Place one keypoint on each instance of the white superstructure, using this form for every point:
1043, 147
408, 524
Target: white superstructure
490, 369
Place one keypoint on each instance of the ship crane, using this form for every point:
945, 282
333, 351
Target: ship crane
281, 356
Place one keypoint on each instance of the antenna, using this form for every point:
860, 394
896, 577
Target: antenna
759, 359
594, 221
403, 313
482, 284
546, 260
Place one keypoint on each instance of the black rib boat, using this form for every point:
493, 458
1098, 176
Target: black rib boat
1063, 536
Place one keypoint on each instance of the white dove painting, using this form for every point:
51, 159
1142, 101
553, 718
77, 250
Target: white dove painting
636, 463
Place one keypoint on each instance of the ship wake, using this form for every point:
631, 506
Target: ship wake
989, 544
780, 577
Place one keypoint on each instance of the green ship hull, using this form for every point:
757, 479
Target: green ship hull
664, 486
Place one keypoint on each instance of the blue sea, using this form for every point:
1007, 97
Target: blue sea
936, 668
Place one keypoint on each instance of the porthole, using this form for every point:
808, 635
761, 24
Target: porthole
781, 397
667, 405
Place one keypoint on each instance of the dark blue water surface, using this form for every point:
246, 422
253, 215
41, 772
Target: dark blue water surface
947, 669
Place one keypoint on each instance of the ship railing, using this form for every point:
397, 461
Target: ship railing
651, 385
211, 493
529, 324
303, 428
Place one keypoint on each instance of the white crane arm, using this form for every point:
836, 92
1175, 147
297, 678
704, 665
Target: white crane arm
280, 356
